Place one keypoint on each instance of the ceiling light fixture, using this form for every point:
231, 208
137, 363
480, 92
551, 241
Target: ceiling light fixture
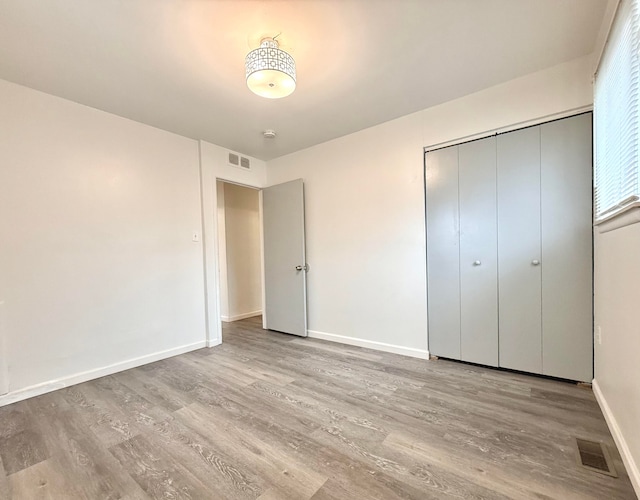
270, 71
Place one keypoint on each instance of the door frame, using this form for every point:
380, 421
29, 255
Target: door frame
213, 307
222, 240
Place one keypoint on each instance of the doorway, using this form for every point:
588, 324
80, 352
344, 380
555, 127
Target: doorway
239, 250
270, 220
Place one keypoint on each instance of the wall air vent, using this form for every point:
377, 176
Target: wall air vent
234, 159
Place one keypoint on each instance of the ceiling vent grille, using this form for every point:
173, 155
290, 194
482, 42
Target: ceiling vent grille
235, 160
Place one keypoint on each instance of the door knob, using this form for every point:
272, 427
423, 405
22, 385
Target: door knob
535, 262
305, 268
477, 263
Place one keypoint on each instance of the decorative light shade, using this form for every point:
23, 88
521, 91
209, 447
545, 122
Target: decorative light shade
270, 71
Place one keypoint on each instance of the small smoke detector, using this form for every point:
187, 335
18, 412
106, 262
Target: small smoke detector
269, 134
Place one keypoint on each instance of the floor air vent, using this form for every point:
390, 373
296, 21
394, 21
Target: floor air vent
595, 456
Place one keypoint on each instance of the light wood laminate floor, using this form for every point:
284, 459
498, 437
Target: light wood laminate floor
270, 416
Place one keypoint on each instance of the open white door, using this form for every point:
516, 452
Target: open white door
285, 280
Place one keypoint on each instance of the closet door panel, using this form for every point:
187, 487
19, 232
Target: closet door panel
443, 252
478, 252
519, 275
567, 256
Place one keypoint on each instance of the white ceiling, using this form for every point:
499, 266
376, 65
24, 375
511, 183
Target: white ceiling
179, 64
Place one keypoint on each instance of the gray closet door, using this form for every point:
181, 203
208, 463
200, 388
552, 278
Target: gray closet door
443, 252
519, 252
567, 257
478, 252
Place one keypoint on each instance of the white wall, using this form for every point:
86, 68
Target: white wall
617, 359
365, 234
98, 270
214, 167
243, 253
365, 206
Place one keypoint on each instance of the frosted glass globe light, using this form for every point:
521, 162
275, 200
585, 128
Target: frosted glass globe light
270, 71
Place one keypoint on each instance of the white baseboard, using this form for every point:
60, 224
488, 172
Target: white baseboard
229, 319
618, 437
53, 385
370, 344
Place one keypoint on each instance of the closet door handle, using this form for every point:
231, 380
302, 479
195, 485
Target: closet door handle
477, 263
535, 262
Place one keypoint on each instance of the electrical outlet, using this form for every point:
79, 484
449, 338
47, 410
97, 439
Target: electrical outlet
599, 335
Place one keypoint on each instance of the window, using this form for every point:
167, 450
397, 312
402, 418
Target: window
617, 110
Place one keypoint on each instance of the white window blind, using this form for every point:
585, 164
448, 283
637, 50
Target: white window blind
617, 109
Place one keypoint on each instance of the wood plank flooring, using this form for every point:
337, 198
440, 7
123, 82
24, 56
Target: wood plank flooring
270, 416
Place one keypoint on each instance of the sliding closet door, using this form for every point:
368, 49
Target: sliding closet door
519, 261
478, 252
567, 319
443, 252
